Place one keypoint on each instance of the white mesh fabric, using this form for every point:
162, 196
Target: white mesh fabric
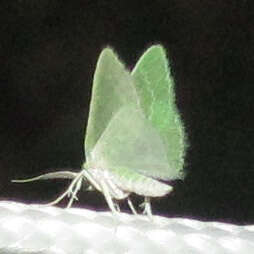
50, 230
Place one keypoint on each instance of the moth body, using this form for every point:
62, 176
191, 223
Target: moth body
123, 181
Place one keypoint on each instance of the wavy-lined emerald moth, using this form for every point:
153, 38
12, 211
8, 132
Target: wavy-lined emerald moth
134, 136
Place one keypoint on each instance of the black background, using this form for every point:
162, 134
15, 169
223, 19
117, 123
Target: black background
48, 52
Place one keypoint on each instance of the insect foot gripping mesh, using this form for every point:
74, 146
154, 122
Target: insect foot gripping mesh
134, 135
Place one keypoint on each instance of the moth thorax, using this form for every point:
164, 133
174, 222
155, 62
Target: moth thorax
105, 178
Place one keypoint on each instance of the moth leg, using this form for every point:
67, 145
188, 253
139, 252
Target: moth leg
117, 207
108, 198
74, 193
68, 191
131, 206
147, 207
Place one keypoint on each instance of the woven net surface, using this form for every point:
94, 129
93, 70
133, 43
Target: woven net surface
51, 230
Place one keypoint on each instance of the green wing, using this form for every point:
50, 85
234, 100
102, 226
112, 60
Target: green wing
112, 88
155, 88
135, 126
130, 141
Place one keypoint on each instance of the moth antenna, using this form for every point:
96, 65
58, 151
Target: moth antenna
54, 175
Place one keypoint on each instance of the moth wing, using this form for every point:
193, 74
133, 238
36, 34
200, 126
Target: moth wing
155, 88
112, 88
130, 141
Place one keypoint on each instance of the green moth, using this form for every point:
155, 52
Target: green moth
134, 135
